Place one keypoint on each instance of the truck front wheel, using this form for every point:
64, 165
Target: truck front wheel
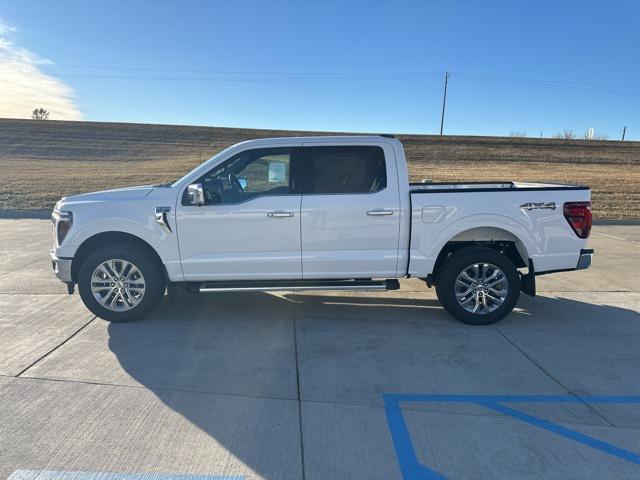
121, 282
478, 285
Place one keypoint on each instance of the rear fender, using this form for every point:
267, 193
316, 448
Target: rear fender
427, 245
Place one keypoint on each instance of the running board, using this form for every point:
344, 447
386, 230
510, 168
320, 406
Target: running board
278, 285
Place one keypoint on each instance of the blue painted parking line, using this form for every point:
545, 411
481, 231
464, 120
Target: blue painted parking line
411, 467
72, 475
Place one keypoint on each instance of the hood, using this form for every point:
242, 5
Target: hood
116, 194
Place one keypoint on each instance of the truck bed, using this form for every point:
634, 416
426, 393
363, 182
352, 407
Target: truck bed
499, 186
531, 214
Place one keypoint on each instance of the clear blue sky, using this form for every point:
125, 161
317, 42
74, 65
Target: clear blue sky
323, 53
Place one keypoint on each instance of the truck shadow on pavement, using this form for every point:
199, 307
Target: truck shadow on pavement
233, 364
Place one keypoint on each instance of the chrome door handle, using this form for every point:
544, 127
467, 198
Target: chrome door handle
379, 212
280, 214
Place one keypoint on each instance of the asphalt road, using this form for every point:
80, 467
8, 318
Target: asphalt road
321, 385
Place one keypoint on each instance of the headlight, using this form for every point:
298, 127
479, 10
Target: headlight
64, 221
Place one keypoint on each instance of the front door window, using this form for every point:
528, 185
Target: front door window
248, 175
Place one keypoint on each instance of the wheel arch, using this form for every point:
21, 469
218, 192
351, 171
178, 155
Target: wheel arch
105, 238
496, 238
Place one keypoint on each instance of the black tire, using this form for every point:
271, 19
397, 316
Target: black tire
146, 263
459, 262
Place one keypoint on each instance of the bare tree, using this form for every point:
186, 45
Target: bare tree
567, 135
518, 134
40, 114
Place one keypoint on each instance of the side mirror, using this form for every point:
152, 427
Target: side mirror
195, 194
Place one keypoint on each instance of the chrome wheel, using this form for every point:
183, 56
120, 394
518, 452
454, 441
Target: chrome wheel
117, 284
481, 288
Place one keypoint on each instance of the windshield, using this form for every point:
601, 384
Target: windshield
217, 155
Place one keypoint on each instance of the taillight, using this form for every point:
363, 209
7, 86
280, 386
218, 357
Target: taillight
578, 214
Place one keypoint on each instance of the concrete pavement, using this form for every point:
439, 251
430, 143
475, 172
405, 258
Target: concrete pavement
290, 386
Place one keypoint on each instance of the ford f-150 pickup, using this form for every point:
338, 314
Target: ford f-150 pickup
318, 213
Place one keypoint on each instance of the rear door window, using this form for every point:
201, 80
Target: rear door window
343, 170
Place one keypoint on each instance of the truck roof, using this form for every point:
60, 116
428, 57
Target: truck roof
331, 139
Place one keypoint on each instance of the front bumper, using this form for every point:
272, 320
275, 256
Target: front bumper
586, 257
62, 268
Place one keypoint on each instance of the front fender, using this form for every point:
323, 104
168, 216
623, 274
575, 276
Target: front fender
143, 226
157, 239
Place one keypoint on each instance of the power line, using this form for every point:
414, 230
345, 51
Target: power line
345, 77
233, 76
215, 75
239, 78
557, 82
627, 90
242, 72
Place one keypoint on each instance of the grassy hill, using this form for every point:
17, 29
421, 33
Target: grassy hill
41, 161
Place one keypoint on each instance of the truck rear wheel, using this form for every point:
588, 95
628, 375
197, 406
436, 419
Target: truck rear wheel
478, 285
121, 282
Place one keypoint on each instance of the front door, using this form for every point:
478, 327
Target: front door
350, 215
249, 227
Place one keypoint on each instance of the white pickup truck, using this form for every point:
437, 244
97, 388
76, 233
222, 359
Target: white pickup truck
318, 213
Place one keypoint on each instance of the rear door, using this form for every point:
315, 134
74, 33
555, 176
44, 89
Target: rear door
350, 214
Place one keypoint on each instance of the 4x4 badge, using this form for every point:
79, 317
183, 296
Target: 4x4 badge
538, 205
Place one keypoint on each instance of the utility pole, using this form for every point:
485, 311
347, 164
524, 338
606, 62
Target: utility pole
444, 101
624, 131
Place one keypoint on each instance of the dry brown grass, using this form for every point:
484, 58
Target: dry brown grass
43, 161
